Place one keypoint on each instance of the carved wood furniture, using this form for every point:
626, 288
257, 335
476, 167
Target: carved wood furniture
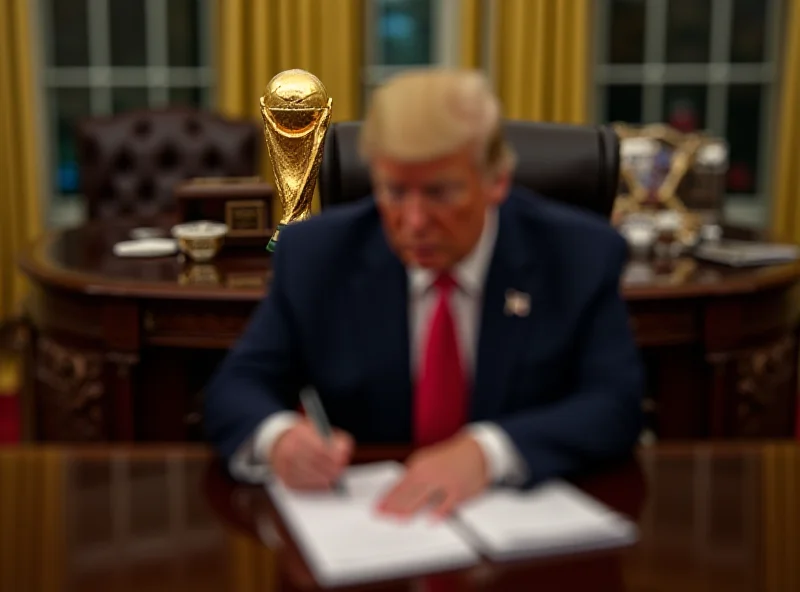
121, 348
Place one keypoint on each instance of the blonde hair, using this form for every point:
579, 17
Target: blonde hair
423, 114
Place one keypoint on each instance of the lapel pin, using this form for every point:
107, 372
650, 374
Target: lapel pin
518, 304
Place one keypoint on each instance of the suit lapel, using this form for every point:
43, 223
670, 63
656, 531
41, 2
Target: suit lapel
514, 272
380, 298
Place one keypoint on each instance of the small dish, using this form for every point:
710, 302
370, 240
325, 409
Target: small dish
146, 247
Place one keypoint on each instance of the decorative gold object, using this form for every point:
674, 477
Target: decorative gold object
296, 111
655, 160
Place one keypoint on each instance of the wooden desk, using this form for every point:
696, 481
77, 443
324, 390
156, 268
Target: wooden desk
722, 517
123, 347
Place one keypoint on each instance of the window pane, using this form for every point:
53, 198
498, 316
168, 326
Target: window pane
69, 105
70, 37
688, 31
626, 40
404, 30
128, 98
749, 30
127, 32
685, 107
624, 103
187, 97
743, 133
183, 43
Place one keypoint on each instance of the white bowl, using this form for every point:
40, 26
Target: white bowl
200, 240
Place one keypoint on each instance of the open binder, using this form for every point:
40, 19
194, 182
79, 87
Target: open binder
345, 541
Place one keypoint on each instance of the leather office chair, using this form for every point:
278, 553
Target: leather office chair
130, 163
574, 164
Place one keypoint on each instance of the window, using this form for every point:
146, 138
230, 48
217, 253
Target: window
406, 33
697, 65
108, 56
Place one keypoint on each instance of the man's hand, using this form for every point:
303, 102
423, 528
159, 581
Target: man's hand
302, 459
442, 476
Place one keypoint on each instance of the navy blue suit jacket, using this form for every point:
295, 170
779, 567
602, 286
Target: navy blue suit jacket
564, 382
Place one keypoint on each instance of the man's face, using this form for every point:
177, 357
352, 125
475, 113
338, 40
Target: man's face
433, 212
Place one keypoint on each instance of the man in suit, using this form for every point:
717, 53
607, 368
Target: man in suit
480, 322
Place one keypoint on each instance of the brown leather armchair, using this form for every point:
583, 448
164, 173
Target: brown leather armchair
569, 163
130, 163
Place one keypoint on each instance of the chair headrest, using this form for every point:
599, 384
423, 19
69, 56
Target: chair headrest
569, 163
131, 162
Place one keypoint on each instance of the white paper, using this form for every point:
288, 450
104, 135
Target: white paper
345, 541
552, 518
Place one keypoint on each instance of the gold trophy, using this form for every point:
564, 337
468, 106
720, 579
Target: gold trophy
297, 112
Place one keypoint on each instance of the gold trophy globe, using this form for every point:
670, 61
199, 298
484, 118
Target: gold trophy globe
297, 112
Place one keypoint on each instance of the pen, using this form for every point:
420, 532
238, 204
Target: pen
313, 408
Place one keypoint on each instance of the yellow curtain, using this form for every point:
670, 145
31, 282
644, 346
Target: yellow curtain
541, 58
259, 38
20, 220
471, 33
786, 189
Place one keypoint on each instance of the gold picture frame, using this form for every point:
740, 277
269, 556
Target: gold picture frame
246, 217
639, 197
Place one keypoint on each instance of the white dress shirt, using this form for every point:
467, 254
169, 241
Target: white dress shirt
503, 461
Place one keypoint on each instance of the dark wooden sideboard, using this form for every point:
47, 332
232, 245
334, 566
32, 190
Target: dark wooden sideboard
121, 348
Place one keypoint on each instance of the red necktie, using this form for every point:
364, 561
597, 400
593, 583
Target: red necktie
441, 395
440, 406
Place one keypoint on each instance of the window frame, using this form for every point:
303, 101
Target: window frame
446, 36
99, 77
654, 74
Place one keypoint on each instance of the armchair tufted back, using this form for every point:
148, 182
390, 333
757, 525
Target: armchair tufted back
130, 163
571, 163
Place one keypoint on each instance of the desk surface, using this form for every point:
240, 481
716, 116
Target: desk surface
712, 517
720, 344
82, 260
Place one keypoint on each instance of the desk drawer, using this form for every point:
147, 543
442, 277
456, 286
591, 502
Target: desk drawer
666, 322
195, 324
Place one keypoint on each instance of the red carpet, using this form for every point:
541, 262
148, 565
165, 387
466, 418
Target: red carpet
9, 419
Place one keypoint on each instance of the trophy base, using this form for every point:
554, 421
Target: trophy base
273, 242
